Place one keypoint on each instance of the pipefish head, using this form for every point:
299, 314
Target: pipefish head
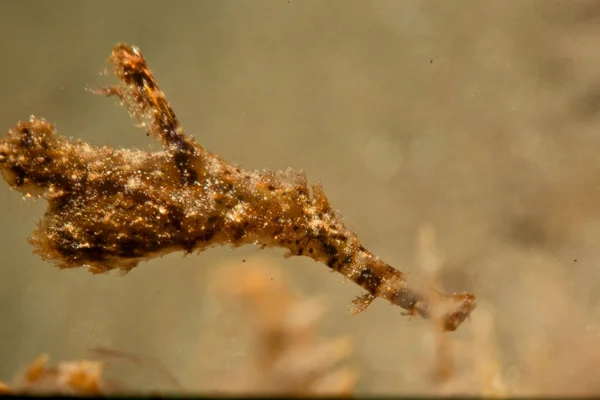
462, 305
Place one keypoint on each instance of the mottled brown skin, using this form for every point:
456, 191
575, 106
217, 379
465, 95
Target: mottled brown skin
112, 208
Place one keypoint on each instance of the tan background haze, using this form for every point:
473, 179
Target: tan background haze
480, 118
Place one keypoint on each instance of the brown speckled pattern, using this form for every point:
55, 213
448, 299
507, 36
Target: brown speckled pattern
112, 208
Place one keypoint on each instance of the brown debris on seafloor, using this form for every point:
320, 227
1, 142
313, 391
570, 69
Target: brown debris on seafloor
112, 208
75, 378
288, 356
4, 389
